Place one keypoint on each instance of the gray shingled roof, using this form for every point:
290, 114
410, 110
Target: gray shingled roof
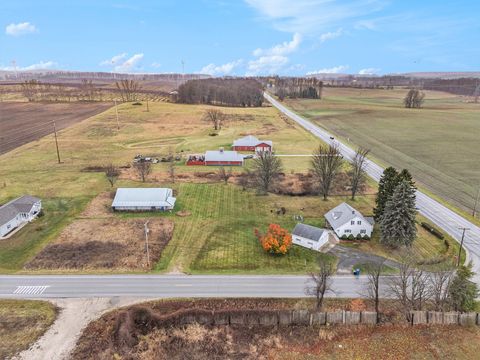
308, 231
250, 140
11, 209
342, 214
144, 197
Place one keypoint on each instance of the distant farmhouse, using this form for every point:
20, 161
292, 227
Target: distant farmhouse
251, 143
309, 236
18, 212
346, 221
143, 199
223, 158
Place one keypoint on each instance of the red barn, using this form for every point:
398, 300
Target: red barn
251, 143
223, 158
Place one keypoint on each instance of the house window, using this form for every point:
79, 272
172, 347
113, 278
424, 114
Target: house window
363, 231
347, 231
359, 222
352, 222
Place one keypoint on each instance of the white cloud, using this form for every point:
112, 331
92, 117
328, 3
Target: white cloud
38, 66
20, 29
332, 70
284, 48
156, 65
218, 70
369, 71
266, 65
114, 60
129, 64
312, 16
123, 64
331, 35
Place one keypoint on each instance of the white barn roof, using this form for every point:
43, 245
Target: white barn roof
343, 214
250, 140
140, 197
216, 155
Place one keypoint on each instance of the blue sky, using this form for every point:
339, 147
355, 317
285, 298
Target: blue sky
249, 37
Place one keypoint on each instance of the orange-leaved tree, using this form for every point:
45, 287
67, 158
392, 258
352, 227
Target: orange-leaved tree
276, 241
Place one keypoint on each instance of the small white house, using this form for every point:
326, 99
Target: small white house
143, 199
346, 221
310, 237
18, 213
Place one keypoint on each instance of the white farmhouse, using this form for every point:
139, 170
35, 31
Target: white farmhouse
143, 199
346, 221
18, 213
309, 236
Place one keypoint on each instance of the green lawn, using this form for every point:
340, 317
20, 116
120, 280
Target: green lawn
22, 322
439, 144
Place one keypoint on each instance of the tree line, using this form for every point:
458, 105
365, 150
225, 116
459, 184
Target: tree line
242, 92
294, 87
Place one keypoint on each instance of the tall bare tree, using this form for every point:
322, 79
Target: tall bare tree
143, 169
440, 288
266, 169
357, 173
326, 163
214, 116
414, 99
321, 282
112, 173
30, 89
171, 165
372, 291
128, 89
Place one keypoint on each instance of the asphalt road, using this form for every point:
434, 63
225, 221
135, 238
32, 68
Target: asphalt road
438, 214
169, 286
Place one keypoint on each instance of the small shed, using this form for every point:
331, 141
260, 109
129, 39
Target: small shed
223, 158
143, 199
310, 237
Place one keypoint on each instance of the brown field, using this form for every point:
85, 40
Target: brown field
392, 340
110, 244
21, 123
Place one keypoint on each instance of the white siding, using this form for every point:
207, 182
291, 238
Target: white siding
310, 244
355, 228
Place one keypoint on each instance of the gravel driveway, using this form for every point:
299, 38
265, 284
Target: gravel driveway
348, 257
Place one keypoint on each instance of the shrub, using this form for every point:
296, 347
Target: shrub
276, 241
432, 230
366, 237
351, 237
359, 236
137, 103
343, 237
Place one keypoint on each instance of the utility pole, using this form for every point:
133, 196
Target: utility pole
147, 230
474, 213
116, 113
461, 245
56, 141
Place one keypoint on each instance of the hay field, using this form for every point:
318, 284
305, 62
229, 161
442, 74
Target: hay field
439, 144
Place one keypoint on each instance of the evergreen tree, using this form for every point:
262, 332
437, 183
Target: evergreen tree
386, 186
463, 292
397, 223
405, 175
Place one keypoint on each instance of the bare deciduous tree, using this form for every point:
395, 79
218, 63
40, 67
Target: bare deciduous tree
128, 89
322, 282
30, 89
414, 99
326, 163
266, 168
399, 285
216, 117
112, 173
224, 174
439, 288
171, 165
244, 180
372, 290
143, 169
357, 174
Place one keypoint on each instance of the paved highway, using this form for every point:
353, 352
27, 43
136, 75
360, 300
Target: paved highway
438, 214
168, 286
